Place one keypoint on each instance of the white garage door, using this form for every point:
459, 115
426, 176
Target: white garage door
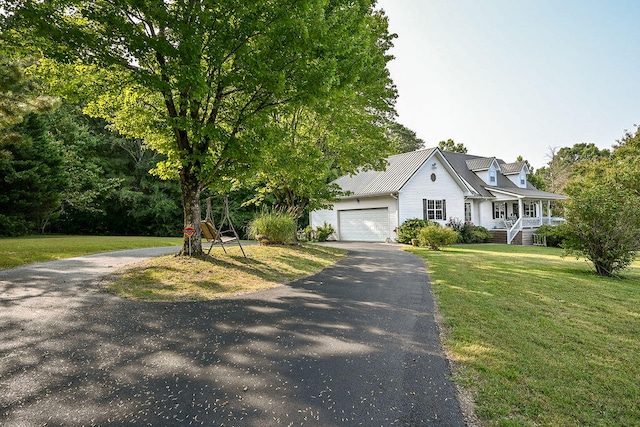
364, 225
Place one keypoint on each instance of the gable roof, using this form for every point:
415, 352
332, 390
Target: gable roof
512, 168
479, 163
401, 167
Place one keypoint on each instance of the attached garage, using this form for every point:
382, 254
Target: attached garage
364, 225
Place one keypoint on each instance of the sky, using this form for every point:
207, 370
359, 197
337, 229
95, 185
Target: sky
516, 77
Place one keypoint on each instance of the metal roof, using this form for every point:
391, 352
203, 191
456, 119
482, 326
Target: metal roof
527, 193
399, 169
479, 163
511, 168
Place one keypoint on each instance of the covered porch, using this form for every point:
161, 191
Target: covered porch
517, 218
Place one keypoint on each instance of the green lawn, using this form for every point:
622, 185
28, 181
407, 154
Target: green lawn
540, 340
26, 250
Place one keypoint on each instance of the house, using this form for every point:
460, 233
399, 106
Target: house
439, 185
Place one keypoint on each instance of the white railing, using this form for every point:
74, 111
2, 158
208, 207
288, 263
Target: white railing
532, 222
513, 231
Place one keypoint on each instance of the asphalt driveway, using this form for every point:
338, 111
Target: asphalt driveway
354, 345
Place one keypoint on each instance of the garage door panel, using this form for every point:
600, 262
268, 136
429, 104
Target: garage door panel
364, 225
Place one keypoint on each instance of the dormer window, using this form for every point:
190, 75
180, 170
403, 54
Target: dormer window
492, 176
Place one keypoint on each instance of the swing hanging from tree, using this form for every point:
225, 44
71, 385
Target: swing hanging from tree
219, 235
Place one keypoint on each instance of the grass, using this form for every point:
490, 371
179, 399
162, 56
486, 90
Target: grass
172, 278
540, 339
19, 251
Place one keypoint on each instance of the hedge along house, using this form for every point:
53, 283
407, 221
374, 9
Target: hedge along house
439, 186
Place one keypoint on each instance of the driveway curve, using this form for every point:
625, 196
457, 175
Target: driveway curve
356, 344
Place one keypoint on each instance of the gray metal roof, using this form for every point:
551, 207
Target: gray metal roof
511, 168
479, 163
528, 193
399, 169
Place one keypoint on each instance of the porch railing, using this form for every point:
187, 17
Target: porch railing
522, 223
513, 231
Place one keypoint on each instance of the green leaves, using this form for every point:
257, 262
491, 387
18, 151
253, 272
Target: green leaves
603, 219
200, 81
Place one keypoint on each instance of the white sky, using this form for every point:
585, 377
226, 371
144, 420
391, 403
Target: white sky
515, 77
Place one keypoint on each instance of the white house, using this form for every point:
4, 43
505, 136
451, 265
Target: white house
439, 185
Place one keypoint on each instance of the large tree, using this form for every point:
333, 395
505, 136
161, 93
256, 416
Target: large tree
197, 79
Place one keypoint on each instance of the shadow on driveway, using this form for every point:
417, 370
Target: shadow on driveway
354, 345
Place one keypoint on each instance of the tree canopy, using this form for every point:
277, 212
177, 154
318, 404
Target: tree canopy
403, 139
563, 162
451, 145
199, 81
603, 219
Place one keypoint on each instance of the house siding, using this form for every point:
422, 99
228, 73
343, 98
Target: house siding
486, 215
421, 187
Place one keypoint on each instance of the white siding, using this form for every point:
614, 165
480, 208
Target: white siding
420, 187
517, 179
320, 217
486, 215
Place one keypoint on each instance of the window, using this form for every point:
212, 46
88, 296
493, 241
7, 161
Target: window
530, 210
499, 210
514, 209
492, 176
434, 209
467, 212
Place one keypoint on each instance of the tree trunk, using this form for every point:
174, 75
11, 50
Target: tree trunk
191, 204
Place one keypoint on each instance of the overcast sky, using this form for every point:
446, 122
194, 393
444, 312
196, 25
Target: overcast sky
515, 77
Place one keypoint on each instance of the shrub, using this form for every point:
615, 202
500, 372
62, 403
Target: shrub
469, 233
555, 235
434, 236
278, 227
410, 229
324, 231
480, 235
603, 222
309, 233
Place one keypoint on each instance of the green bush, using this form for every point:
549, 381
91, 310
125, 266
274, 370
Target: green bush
434, 236
555, 235
278, 227
410, 229
324, 231
480, 235
469, 233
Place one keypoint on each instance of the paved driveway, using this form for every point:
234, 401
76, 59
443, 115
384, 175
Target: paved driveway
354, 345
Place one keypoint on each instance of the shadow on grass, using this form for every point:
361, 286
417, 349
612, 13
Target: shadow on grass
175, 278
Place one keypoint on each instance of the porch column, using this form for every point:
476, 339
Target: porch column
540, 208
520, 210
549, 211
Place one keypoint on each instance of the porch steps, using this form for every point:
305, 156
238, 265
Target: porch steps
523, 238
